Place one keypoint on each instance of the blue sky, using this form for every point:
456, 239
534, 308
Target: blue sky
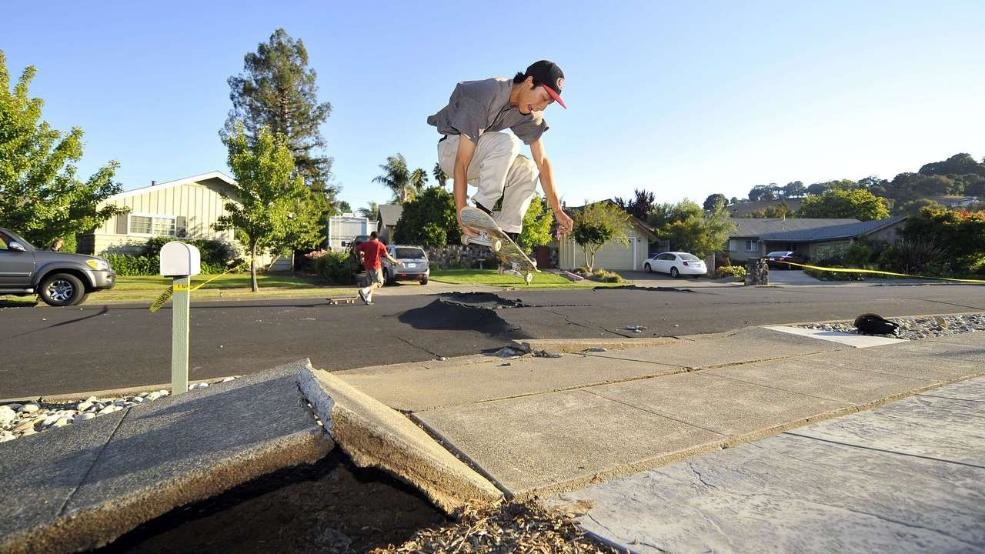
684, 99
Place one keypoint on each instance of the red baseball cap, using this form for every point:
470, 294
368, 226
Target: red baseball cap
548, 75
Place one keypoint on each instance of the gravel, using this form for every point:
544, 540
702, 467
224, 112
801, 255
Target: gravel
20, 420
918, 327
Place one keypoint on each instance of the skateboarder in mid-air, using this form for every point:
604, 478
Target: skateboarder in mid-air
475, 150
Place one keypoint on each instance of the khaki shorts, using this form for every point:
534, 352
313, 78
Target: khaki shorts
374, 276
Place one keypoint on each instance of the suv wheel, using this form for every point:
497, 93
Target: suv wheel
424, 280
62, 289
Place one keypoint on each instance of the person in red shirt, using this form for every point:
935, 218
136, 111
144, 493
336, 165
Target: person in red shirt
370, 252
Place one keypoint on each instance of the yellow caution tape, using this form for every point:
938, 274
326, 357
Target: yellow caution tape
169, 292
878, 272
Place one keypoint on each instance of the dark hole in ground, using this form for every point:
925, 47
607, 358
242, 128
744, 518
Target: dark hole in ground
483, 299
329, 506
452, 314
635, 287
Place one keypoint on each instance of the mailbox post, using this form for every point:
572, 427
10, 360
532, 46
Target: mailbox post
180, 261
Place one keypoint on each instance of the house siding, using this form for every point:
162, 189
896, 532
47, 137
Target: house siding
197, 205
611, 256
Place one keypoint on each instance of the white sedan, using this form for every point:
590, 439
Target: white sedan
676, 264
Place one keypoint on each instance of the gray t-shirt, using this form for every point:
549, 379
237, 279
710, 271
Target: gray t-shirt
479, 106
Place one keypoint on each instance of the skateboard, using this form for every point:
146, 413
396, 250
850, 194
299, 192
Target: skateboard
344, 300
509, 254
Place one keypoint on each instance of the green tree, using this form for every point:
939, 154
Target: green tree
370, 210
958, 164
429, 219
277, 90
713, 200
597, 224
959, 233
439, 175
418, 180
397, 178
40, 196
694, 230
272, 208
843, 203
640, 206
794, 189
537, 224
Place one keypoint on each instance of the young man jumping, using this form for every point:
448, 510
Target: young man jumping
475, 150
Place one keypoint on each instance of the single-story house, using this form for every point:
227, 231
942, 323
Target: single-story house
388, 216
612, 255
184, 208
754, 238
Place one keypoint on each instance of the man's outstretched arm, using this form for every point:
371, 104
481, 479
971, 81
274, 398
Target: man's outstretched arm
564, 223
466, 149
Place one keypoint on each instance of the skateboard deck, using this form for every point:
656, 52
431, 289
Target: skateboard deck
509, 254
346, 300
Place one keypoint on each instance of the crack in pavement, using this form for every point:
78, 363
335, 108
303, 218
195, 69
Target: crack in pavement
884, 451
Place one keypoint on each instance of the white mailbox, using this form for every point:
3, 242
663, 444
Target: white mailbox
180, 259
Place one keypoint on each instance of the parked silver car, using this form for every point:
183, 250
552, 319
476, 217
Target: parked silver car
58, 278
413, 265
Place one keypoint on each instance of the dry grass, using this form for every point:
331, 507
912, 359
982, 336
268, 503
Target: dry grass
513, 527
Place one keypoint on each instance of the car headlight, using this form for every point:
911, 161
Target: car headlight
97, 264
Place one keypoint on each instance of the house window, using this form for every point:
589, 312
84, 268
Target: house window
752, 246
156, 225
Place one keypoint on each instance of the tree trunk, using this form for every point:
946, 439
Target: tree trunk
253, 268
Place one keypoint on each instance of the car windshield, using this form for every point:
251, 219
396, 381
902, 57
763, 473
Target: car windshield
409, 253
778, 254
7, 238
690, 258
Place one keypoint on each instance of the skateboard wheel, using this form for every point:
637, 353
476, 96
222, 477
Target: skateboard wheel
496, 245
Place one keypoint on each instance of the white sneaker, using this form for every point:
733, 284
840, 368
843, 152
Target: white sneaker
369, 297
482, 239
364, 296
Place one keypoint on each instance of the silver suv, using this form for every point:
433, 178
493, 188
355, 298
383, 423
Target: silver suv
58, 278
413, 265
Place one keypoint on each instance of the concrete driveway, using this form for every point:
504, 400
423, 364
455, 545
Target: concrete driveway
793, 277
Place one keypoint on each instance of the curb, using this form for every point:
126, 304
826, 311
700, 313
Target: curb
375, 435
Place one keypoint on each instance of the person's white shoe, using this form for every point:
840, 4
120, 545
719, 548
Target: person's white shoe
369, 297
363, 296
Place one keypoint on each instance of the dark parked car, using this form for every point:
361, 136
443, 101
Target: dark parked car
58, 278
775, 259
413, 265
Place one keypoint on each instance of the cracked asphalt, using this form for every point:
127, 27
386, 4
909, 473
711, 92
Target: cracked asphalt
49, 351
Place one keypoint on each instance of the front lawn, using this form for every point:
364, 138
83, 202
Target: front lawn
231, 285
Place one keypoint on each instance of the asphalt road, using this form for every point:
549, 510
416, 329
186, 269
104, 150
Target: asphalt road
48, 351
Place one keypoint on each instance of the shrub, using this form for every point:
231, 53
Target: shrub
127, 265
604, 276
336, 267
735, 272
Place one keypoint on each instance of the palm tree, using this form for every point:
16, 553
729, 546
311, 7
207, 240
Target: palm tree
439, 175
370, 210
396, 178
418, 178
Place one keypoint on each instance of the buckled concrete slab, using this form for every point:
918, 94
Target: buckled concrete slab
81, 486
538, 425
374, 435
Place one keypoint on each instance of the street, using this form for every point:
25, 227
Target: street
49, 351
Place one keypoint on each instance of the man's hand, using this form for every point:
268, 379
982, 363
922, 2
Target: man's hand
564, 223
466, 231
